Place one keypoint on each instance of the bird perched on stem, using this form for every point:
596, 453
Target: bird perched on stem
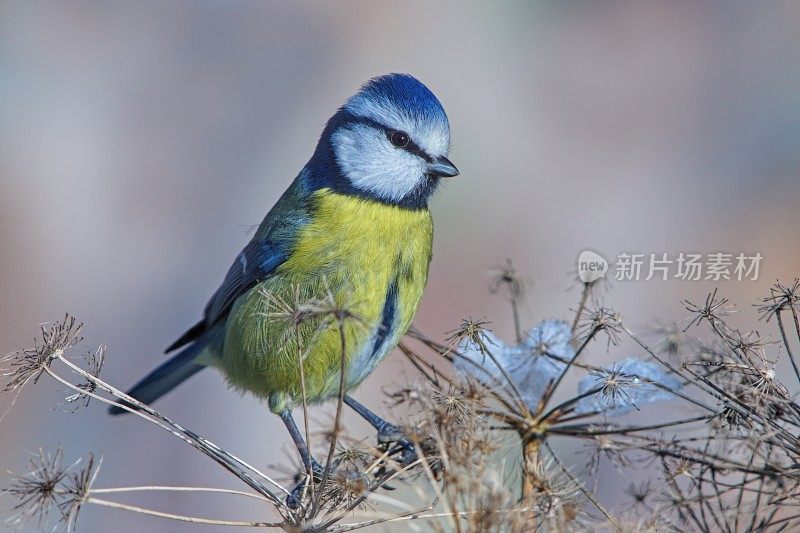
353, 227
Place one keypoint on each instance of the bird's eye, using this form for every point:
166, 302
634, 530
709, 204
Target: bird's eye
399, 139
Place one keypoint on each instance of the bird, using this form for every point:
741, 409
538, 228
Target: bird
353, 228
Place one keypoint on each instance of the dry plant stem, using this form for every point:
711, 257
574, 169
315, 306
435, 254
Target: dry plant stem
566, 404
515, 314
674, 392
589, 431
785, 338
160, 488
504, 398
320, 528
552, 388
796, 322
425, 368
516, 396
178, 517
231, 463
418, 514
746, 410
338, 417
740, 496
531, 466
305, 399
611, 520
451, 355
587, 288
652, 354
376, 521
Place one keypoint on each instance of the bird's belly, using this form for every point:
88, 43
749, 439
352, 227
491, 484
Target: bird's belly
326, 301
268, 334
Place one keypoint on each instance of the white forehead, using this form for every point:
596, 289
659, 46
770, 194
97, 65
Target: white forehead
430, 131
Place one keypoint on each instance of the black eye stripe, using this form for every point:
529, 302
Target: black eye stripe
411, 147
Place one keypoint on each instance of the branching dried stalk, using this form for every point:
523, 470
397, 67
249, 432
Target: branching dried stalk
725, 461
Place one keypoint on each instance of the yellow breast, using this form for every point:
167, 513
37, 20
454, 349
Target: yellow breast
372, 258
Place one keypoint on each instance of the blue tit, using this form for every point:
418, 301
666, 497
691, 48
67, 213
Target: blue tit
354, 227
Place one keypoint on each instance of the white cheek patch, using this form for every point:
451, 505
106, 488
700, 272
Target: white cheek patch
370, 162
430, 133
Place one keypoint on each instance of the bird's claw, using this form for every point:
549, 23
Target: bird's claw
395, 441
295, 498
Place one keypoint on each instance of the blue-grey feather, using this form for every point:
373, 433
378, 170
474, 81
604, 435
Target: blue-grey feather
166, 377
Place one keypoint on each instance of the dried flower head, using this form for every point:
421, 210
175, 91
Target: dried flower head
780, 297
29, 363
48, 486
506, 279
76, 487
345, 485
640, 492
624, 386
605, 447
601, 319
473, 333
94, 365
37, 490
672, 340
713, 310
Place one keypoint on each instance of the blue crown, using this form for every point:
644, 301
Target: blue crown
405, 92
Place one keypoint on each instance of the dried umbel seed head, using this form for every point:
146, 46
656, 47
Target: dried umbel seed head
344, 486
50, 486
30, 363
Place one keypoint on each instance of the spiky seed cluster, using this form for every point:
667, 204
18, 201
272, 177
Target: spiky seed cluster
640, 492
601, 319
51, 486
507, 279
345, 485
30, 363
94, 365
672, 341
471, 332
713, 310
614, 382
781, 297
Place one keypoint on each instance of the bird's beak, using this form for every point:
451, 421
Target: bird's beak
442, 167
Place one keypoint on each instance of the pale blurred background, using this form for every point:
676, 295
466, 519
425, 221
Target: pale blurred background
139, 141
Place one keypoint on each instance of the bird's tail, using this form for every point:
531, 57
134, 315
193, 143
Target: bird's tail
166, 377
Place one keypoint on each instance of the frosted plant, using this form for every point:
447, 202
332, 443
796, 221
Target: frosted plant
625, 386
532, 364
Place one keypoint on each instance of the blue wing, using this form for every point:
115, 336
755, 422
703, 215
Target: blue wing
258, 260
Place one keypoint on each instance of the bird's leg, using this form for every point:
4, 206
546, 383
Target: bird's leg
387, 433
312, 467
